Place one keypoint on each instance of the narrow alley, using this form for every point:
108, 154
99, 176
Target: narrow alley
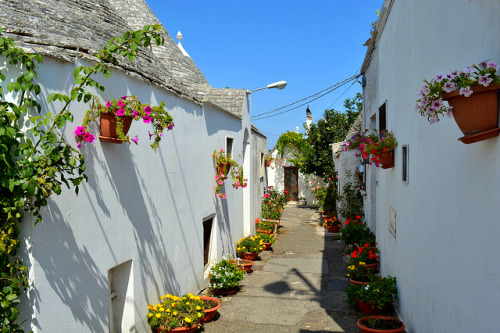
298, 287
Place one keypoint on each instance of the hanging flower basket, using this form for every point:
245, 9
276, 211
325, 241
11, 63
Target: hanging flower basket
476, 115
223, 168
386, 159
108, 127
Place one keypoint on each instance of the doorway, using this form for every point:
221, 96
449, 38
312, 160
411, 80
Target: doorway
292, 182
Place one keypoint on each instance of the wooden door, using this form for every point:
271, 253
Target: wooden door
292, 182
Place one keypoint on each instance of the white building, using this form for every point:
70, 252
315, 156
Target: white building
146, 223
435, 213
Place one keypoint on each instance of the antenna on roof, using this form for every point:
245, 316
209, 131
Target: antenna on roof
179, 45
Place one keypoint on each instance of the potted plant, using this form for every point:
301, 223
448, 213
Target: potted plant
378, 324
375, 297
223, 164
116, 117
225, 277
360, 274
244, 265
353, 230
332, 224
249, 247
366, 255
211, 305
302, 201
382, 150
472, 100
265, 226
173, 313
267, 240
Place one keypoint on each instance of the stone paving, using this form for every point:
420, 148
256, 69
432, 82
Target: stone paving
297, 287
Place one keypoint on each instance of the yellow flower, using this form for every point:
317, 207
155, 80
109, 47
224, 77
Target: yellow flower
158, 315
198, 308
187, 303
168, 310
199, 314
162, 310
150, 315
184, 297
161, 297
187, 320
362, 263
174, 313
150, 306
197, 298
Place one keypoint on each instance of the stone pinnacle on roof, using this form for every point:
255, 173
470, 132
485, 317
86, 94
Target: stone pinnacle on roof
179, 45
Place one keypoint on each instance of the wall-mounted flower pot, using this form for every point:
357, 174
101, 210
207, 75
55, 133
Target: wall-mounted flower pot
386, 159
108, 127
362, 324
223, 168
476, 115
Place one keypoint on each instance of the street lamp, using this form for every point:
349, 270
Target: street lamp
278, 85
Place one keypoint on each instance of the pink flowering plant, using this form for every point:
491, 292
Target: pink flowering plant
123, 107
430, 97
220, 158
369, 146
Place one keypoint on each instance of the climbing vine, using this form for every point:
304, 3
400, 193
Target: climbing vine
35, 163
290, 140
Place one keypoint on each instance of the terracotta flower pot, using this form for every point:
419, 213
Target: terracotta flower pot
277, 222
266, 246
224, 292
334, 229
223, 168
178, 329
358, 282
269, 232
243, 265
386, 159
249, 255
108, 127
373, 267
365, 329
368, 308
476, 115
210, 313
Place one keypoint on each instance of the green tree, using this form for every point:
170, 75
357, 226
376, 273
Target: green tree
333, 127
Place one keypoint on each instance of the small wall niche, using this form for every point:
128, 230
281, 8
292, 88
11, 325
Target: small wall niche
121, 298
207, 235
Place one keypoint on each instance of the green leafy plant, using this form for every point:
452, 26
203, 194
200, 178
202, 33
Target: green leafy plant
249, 244
127, 106
174, 311
264, 225
35, 158
379, 292
266, 238
225, 275
366, 255
360, 272
332, 222
350, 201
273, 203
223, 164
353, 231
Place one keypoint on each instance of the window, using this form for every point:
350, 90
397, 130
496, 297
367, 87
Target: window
229, 146
382, 118
207, 234
404, 160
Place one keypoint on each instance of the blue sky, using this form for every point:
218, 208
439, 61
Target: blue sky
248, 44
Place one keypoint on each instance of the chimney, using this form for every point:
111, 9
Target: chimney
297, 129
308, 117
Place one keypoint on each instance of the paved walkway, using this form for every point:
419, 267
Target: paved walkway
296, 288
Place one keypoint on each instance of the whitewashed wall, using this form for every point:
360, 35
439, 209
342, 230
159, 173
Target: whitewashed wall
345, 167
141, 208
444, 252
276, 176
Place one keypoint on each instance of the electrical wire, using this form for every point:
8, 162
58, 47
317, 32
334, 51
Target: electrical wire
337, 99
328, 90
